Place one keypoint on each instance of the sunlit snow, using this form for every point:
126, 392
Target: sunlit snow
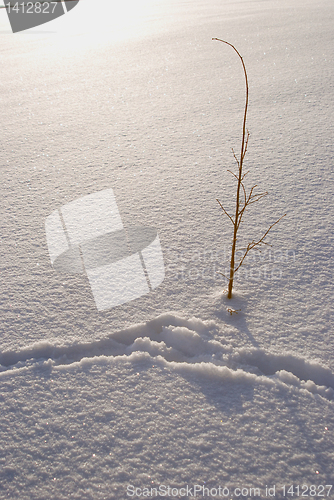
179, 386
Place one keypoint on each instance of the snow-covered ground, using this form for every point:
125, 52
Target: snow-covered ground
170, 389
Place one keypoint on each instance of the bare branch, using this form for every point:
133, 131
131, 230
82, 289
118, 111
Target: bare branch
223, 275
254, 244
245, 195
241, 216
258, 197
248, 201
251, 192
235, 157
257, 248
228, 215
234, 175
242, 210
259, 194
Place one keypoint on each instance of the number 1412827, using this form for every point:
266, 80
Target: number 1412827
32, 7
307, 491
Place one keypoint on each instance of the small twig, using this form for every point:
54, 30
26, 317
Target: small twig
258, 197
233, 311
222, 275
234, 175
228, 215
254, 244
235, 157
245, 195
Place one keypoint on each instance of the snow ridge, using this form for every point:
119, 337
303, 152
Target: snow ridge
185, 345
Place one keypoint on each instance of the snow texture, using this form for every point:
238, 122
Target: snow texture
180, 386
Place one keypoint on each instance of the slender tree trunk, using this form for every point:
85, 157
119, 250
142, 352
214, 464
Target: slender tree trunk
240, 164
251, 197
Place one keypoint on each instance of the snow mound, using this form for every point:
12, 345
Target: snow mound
187, 346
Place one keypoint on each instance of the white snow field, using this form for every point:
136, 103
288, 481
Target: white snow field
170, 395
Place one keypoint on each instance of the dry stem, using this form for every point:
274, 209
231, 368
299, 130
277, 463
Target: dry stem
248, 199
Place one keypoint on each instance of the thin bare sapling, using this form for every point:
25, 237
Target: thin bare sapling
244, 198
